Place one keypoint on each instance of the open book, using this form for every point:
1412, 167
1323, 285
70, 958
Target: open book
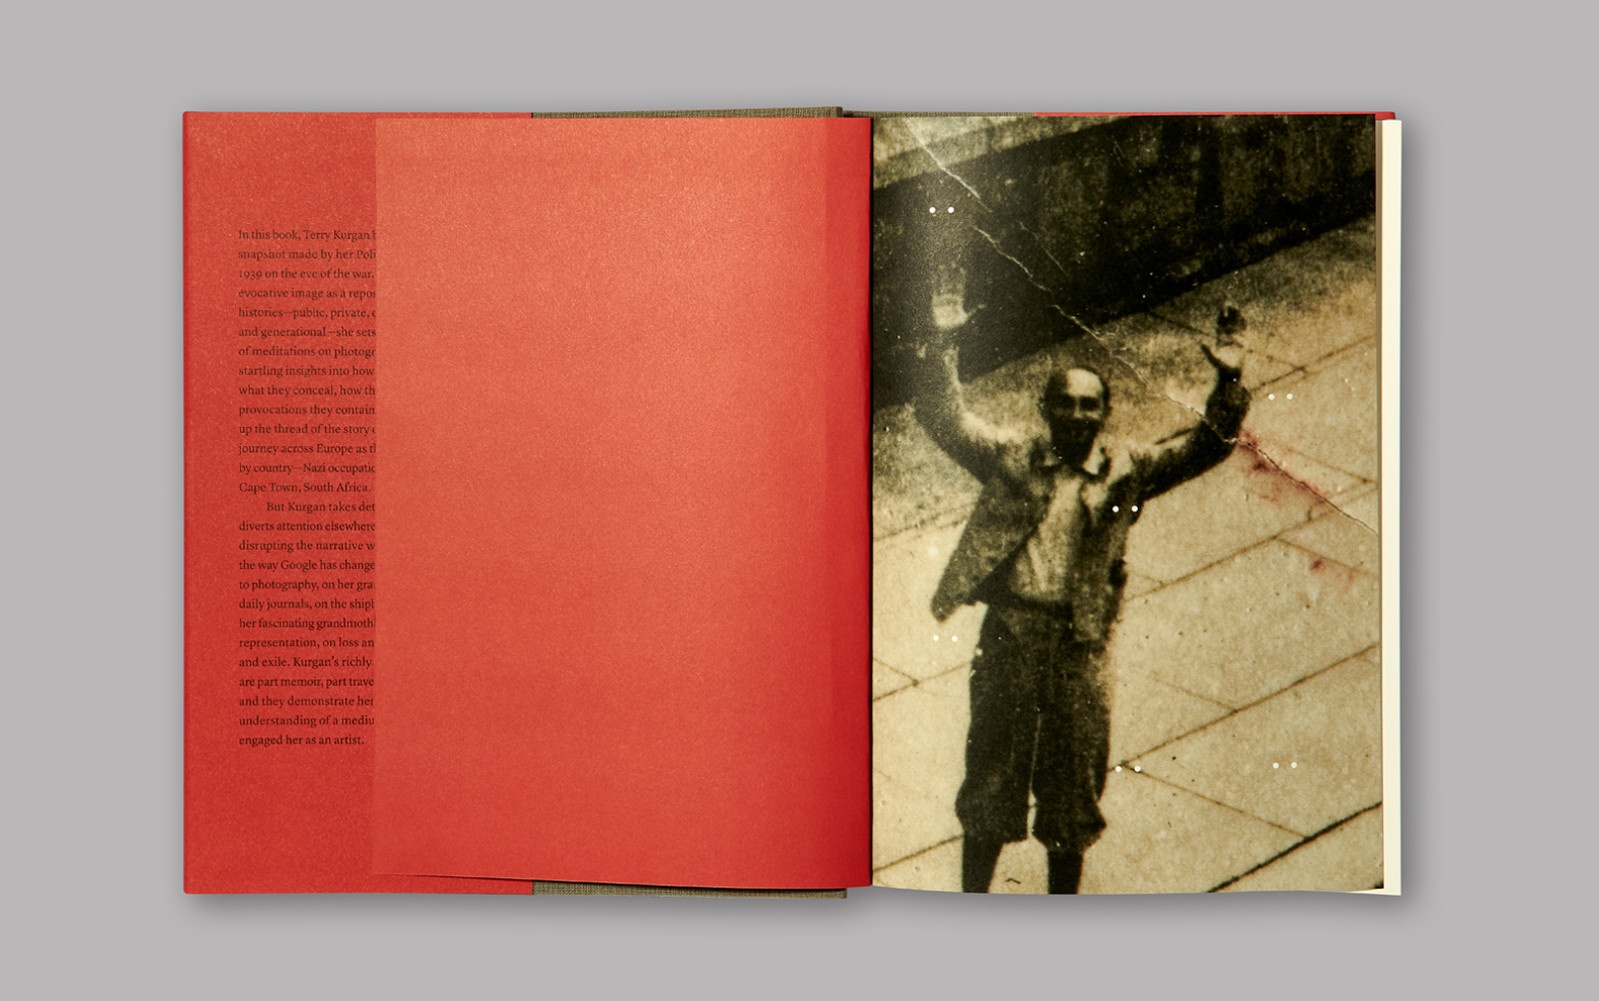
757, 502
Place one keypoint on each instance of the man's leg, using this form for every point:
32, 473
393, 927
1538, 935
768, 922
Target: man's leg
979, 856
1065, 870
992, 803
1073, 751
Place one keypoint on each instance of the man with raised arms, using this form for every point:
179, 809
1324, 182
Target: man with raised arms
1043, 549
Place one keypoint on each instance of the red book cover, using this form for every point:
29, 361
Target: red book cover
279, 351
623, 554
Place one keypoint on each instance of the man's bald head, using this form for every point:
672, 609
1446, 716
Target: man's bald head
1075, 404
1078, 382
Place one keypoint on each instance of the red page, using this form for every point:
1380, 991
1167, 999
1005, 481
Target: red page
623, 557
279, 644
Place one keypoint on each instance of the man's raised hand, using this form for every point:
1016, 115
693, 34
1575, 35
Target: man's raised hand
1228, 355
949, 313
949, 302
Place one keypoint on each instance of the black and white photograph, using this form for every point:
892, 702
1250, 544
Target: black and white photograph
1127, 496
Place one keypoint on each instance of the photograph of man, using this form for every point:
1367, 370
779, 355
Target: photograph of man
1043, 549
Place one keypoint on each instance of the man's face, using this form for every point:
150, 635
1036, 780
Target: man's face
1074, 408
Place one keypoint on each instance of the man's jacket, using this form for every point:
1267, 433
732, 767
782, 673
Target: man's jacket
1017, 471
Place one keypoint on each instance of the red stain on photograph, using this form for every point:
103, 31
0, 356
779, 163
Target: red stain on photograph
1331, 570
1281, 485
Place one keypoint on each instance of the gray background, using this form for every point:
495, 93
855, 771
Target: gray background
1498, 545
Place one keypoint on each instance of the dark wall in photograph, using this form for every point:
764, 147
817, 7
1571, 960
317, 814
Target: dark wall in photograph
1056, 223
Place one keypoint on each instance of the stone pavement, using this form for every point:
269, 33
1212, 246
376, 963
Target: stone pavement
1245, 669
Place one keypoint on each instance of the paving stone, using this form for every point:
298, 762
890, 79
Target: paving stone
936, 868
1287, 471
1241, 502
1332, 417
887, 681
906, 821
918, 736
1370, 347
1250, 625
1363, 503
1347, 317
1023, 867
1161, 839
1138, 584
1303, 759
905, 636
1348, 857
1339, 537
1145, 713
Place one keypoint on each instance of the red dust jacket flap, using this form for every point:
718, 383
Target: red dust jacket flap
600, 602
279, 348
623, 547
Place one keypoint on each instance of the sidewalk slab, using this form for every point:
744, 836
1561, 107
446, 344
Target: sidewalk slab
1332, 417
906, 822
1241, 502
1302, 759
930, 869
1145, 713
1342, 537
905, 636
1168, 840
1348, 857
1250, 625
